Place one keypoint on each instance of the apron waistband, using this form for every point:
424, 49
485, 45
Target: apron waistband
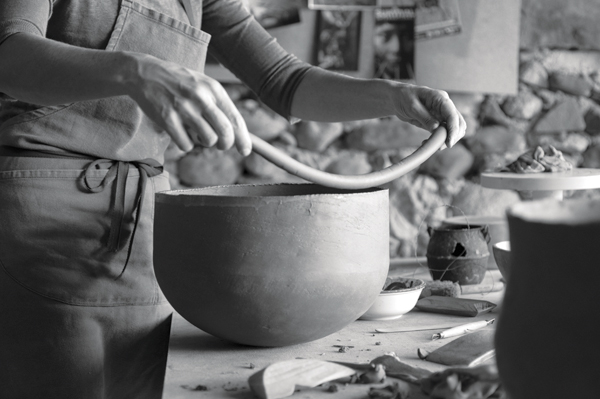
117, 174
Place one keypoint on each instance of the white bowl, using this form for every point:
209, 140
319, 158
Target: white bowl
391, 305
501, 252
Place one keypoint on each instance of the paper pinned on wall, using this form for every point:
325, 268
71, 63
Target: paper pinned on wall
394, 43
482, 58
435, 18
338, 40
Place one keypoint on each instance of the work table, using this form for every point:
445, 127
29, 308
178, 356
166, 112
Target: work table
197, 359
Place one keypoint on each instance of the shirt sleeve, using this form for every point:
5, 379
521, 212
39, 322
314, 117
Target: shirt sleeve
244, 47
24, 16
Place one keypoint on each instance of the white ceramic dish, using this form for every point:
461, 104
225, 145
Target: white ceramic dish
501, 252
391, 305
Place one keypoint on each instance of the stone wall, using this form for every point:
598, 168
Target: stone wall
558, 103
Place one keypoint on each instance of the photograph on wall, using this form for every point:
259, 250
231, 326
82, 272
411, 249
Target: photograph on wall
341, 4
275, 13
394, 43
436, 18
338, 40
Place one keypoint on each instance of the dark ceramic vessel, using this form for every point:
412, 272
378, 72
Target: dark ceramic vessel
546, 337
271, 265
458, 253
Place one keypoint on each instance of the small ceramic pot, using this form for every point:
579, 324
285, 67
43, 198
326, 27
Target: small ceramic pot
546, 337
497, 230
458, 253
271, 265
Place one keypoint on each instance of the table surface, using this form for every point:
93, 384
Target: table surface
199, 359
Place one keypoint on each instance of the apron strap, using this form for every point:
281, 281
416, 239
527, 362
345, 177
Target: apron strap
117, 173
190, 11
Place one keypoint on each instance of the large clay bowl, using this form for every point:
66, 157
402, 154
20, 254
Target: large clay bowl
271, 265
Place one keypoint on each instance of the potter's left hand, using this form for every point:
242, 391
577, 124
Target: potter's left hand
428, 108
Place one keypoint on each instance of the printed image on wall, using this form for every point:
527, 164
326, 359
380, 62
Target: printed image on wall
274, 13
394, 43
338, 40
341, 4
435, 18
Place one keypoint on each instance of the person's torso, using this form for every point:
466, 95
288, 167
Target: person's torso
113, 128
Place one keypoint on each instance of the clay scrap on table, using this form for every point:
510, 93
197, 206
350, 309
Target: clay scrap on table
539, 160
454, 306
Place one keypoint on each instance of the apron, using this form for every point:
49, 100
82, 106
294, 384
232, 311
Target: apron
81, 314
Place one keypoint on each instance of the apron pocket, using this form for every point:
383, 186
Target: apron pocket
53, 238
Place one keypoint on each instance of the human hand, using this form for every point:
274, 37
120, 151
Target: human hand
190, 106
428, 108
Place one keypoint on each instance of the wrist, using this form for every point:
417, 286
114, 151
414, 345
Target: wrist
128, 73
394, 91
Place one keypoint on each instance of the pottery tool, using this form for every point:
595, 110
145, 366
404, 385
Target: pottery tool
281, 379
543, 185
455, 306
469, 350
411, 329
462, 329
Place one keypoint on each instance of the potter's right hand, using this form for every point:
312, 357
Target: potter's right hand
192, 107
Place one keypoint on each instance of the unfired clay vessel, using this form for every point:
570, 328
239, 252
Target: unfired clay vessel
547, 332
271, 265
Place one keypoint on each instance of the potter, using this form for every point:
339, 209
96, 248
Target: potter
92, 93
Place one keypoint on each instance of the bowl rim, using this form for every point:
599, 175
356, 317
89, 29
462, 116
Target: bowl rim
420, 286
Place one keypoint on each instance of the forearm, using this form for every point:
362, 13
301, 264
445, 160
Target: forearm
330, 97
46, 72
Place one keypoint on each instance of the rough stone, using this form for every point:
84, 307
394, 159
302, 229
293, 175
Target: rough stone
287, 139
388, 133
403, 235
472, 124
350, 163
467, 103
496, 139
592, 119
382, 159
491, 112
572, 143
550, 98
576, 85
261, 121
493, 162
417, 199
565, 116
532, 72
451, 163
560, 24
591, 157
173, 153
525, 105
317, 136
482, 201
171, 168
209, 167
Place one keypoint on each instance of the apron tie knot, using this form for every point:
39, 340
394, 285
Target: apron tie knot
117, 176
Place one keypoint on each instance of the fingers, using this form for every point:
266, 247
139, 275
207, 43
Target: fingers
192, 107
174, 126
455, 123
